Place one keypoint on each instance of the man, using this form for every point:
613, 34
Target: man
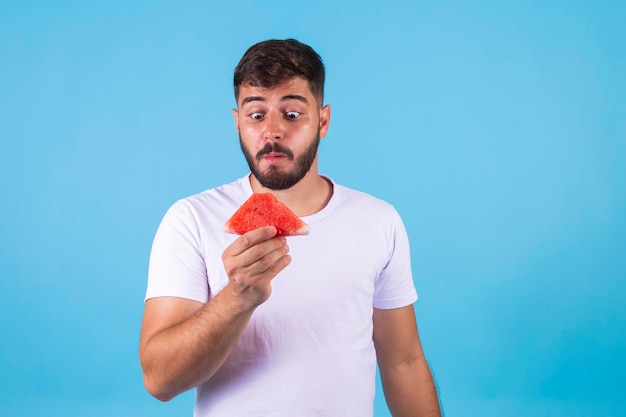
271, 326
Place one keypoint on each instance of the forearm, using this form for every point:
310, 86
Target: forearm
410, 390
188, 353
183, 342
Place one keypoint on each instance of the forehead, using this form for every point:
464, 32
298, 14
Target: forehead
294, 88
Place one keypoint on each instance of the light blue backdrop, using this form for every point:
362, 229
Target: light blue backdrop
497, 129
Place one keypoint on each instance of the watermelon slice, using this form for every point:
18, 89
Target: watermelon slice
264, 209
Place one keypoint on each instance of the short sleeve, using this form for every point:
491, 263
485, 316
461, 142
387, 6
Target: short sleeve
177, 267
394, 287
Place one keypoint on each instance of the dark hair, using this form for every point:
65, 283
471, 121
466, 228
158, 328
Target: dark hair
269, 63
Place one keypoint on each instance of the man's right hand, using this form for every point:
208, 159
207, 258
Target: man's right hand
251, 262
184, 342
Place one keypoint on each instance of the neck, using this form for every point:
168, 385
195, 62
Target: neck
308, 196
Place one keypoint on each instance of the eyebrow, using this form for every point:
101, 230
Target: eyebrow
295, 97
285, 98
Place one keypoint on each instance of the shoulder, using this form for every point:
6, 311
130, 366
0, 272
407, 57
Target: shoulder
234, 192
210, 208
215, 199
368, 204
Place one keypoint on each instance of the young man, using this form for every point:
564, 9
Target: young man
267, 326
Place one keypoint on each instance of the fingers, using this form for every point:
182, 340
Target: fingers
244, 242
253, 260
262, 255
257, 246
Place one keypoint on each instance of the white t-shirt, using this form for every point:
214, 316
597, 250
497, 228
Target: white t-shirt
308, 350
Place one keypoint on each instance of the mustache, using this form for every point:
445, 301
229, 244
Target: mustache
274, 147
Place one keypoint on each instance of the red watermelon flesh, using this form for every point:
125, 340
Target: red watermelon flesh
264, 209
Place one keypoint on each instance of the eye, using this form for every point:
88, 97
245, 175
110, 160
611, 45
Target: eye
292, 115
257, 116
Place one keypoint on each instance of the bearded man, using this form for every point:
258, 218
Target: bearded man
263, 325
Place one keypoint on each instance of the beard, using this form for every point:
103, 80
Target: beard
274, 178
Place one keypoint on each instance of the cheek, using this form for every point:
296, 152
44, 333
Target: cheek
249, 134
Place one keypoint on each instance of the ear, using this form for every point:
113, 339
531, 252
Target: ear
324, 120
236, 117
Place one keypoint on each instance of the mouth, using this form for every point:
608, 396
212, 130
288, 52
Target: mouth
274, 153
274, 157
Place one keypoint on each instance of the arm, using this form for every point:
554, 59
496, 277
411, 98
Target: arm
183, 342
407, 381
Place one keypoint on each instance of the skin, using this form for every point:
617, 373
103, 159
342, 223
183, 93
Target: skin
183, 342
406, 378
289, 114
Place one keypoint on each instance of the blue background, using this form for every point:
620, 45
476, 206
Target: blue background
497, 129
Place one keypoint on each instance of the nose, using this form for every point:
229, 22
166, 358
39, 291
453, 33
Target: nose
273, 127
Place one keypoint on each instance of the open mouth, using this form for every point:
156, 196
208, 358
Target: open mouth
274, 153
274, 157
